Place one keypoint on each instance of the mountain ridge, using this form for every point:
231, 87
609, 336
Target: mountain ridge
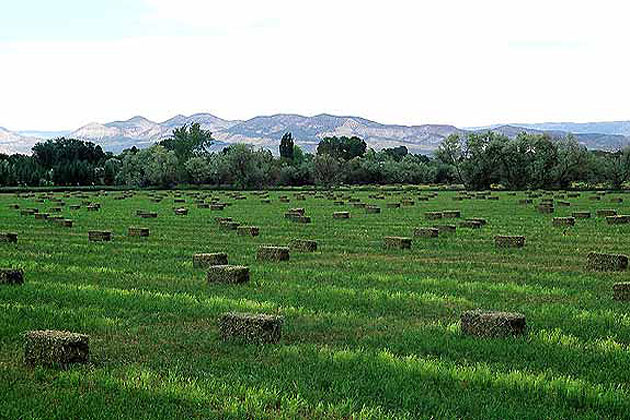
267, 130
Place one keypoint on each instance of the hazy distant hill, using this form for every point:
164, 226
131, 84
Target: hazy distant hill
266, 131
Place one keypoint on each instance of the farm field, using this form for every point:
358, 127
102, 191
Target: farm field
369, 332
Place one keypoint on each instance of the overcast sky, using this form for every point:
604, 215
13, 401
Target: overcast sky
65, 63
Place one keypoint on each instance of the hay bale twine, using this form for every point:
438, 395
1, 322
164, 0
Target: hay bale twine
341, 215
396, 242
230, 274
303, 245
605, 212
425, 232
55, 348
618, 220
505, 241
11, 276
606, 262
9, 237
248, 327
621, 291
248, 231
563, 221
99, 235
139, 232
480, 323
273, 253
209, 259
581, 214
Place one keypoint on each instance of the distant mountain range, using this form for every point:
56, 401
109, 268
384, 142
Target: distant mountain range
266, 132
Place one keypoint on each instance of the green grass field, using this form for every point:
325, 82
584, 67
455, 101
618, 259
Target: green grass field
369, 333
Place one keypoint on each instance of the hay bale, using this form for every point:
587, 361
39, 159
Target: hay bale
210, 259
479, 220
93, 207
220, 219
11, 276
273, 253
433, 215
621, 291
616, 200
606, 262
248, 231
41, 216
581, 214
372, 210
247, 327
397, 242
64, 222
618, 220
297, 210
392, 205
180, 211
341, 215
147, 214
545, 208
358, 205
229, 225
99, 236
605, 212
493, 197
451, 214
472, 224
55, 348
139, 232
425, 232
303, 245
407, 203
503, 241
480, 323
231, 274
563, 221
445, 228
217, 207
594, 198
9, 237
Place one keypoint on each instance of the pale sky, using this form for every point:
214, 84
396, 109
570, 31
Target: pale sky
65, 63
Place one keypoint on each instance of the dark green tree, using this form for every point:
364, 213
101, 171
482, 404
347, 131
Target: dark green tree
286, 147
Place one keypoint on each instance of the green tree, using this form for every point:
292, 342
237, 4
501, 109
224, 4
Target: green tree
188, 141
345, 148
287, 147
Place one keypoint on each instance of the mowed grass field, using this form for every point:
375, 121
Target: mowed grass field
369, 333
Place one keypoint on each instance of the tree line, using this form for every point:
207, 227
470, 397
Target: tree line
476, 160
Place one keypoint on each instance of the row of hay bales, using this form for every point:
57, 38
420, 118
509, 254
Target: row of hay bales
65, 348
